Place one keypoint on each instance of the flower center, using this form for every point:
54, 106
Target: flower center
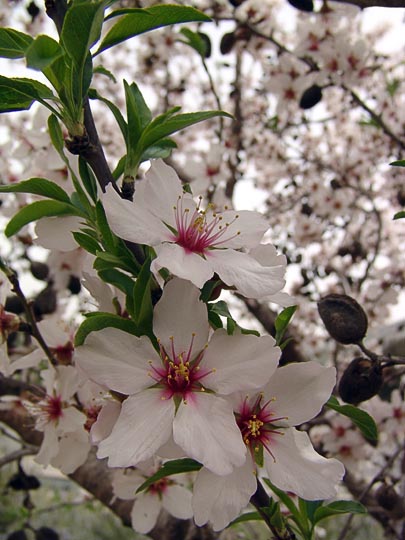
257, 422
49, 409
199, 230
180, 373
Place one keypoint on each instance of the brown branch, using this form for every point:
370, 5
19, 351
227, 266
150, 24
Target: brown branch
374, 3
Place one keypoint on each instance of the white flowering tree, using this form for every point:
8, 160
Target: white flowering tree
178, 181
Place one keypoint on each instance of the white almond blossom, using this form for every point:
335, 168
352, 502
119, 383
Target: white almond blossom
191, 242
294, 394
177, 389
167, 493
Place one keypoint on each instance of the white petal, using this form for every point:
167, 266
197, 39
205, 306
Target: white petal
145, 512
49, 446
71, 420
180, 313
106, 419
206, 429
132, 221
67, 381
160, 191
31, 359
73, 451
301, 470
250, 225
177, 501
246, 274
117, 360
144, 425
239, 362
300, 390
125, 482
56, 232
183, 264
220, 499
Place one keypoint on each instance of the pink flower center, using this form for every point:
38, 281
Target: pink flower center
160, 486
180, 373
198, 230
257, 424
48, 410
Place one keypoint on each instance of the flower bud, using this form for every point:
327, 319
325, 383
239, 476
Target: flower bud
362, 380
311, 97
343, 317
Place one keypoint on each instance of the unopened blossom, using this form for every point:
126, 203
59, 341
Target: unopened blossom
167, 493
294, 394
191, 242
177, 389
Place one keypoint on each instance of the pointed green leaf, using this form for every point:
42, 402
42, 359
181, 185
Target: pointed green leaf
103, 320
398, 163
282, 321
134, 23
158, 130
18, 94
38, 186
82, 28
13, 43
42, 52
86, 242
338, 507
399, 215
248, 516
195, 41
175, 466
162, 149
359, 417
38, 210
93, 94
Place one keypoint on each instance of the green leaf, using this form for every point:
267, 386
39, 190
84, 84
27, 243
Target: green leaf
138, 113
118, 279
162, 149
13, 43
338, 507
169, 468
42, 52
399, 215
359, 417
38, 186
195, 41
56, 134
133, 23
399, 163
101, 70
18, 94
88, 179
158, 130
104, 228
248, 516
82, 28
87, 242
38, 210
282, 321
98, 321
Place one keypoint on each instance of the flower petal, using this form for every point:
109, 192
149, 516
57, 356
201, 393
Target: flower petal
206, 429
247, 226
145, 512
183, 264
177, 501
220, 499
239, 362
246, 274
296, 467
106, 419
132, 221
117, 360
145, 424
300, 390
180, 314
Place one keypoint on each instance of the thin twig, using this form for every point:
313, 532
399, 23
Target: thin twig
17, 454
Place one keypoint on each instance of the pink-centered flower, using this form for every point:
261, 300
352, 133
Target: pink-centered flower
191, 242
177, 390
294, 394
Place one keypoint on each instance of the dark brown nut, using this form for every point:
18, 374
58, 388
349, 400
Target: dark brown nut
343, 317
361, 381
